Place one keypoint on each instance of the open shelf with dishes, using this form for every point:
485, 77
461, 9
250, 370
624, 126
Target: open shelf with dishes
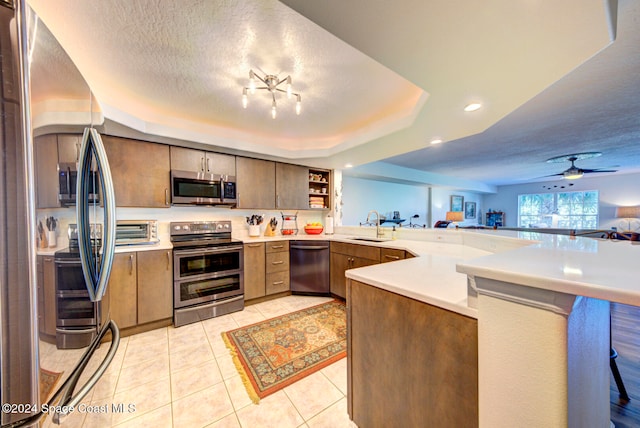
319, 189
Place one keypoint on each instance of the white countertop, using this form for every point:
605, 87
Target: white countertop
429, 277
602, 269
608, 270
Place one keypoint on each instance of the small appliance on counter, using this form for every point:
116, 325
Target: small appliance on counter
134, 232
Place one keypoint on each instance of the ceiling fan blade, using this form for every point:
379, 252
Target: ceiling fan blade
590, 171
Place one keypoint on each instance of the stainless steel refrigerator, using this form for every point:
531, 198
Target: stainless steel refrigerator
20, 346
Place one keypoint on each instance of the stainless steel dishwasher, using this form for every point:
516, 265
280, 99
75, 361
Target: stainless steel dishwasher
309, 267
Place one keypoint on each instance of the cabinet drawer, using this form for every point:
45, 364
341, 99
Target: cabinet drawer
391, 255
277, 262
275, 247
364, 251
277, 282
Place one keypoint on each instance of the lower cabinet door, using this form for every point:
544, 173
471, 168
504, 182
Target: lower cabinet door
277, 282
122, 290
155, 285
254, 270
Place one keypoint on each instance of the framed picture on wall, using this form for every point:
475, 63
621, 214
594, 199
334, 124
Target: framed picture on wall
469, 210
456, 202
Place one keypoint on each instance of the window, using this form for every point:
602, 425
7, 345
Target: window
565, 210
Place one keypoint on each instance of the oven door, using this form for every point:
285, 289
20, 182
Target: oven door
195, 188
208, 274
69, 277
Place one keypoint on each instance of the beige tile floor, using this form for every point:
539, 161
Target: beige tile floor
184, 377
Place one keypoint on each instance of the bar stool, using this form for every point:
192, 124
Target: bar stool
624, 397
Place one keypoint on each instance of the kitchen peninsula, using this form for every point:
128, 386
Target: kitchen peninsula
542, 328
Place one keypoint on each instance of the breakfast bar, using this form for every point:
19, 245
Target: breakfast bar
540, 304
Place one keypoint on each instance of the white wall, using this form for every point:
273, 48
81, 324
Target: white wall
362, 195
614, 191
441, 203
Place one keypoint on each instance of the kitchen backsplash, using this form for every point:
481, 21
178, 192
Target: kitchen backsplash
168, 215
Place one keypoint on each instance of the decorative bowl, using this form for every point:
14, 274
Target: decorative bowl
313, 230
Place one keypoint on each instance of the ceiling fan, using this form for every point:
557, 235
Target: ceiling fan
573, 172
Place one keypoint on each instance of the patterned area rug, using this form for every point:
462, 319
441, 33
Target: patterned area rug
280, 351
48, 380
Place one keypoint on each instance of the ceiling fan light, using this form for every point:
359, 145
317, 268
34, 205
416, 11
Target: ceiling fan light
245, 100
572, 174
298, 105
289, 93
274, 113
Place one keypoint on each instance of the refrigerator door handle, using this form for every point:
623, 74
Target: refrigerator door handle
68, 400
96, 268
66, 389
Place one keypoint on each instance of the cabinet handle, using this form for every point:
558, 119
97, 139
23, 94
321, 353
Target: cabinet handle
278, 201
130, 264
202, 164
208, 170
166, 196
253, 245
275, 247
277, 283
279, 262
392, 257
77, 152
168, 260
48, 259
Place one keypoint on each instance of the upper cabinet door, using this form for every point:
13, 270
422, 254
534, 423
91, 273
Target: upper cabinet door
217, 163
69, 148
187, 159
256, 183
292, 190
46, 159
184, 159
140, 172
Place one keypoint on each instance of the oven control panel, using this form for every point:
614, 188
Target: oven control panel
200, 227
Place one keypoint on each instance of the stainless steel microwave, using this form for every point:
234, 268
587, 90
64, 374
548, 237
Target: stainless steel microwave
67, 180
200, 188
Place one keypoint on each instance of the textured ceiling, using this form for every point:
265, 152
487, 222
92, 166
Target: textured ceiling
183, 65
376, 81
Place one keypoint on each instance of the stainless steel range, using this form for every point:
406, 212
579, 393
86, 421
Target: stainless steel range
208, 273
78, 319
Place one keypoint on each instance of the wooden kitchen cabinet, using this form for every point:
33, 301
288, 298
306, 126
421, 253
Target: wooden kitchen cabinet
391, 255
291, 186
346, 256
123, 290
254, 270
185, 159
155, 285
140, 171
69, 147
319, 191
49, 150
256, 183
46, 297
420, 390
277, 267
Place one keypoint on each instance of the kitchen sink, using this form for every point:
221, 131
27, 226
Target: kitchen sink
368, 239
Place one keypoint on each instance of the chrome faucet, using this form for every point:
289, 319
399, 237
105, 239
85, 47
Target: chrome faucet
379, 234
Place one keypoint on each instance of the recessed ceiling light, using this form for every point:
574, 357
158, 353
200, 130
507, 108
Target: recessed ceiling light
472, 107
436, 141
348, 165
